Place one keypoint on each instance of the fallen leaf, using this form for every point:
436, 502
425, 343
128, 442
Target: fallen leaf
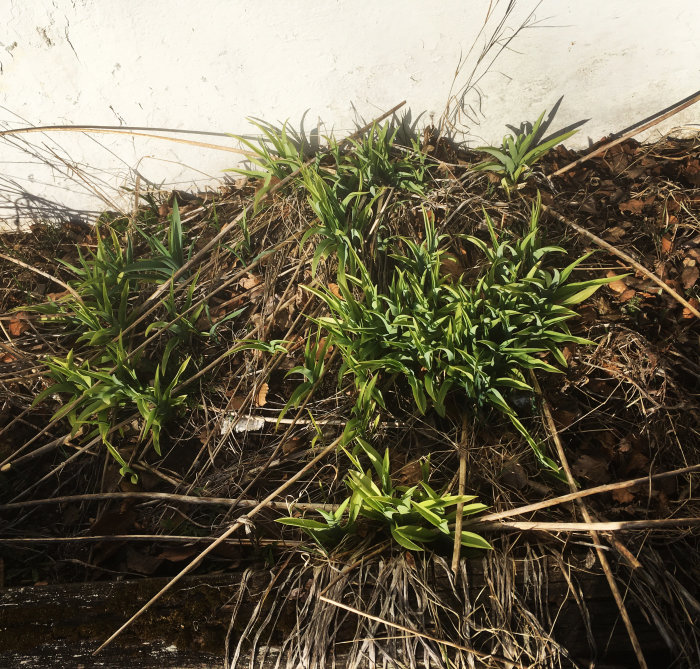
19, 324
690, 273
614, 234
250, 280
333, 287
637, 463
140, 562
410, 474
177, 553
261, 398
514, 475
627, 295
293, 445
236, 401
631, 206
666, 244
594, 469
687, 313
618, 286
623, 496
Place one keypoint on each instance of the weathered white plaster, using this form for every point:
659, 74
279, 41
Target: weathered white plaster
209, 65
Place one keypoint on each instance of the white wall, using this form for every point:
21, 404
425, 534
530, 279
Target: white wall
208, 65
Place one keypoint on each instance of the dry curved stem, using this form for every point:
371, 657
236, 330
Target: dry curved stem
622, 255
235, 526
608, 487
148, 538
408, 630
589, 526
549, 420
113, 130
628, 135
167, 497
44, 274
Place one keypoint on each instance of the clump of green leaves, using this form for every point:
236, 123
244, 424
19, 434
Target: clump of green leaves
97, 393
442, 336
100, 376
342, 185
414, 515
515, 157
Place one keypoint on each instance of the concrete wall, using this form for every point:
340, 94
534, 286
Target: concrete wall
208, 65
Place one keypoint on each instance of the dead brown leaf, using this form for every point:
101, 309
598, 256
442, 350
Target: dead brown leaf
627, 295
333, 287
618, 286
410, 474
687, 313
592, 468
261, 397
623, 496
177, 553
19, 324
636, 205
614, 234
690, 274
141, 563
666, 244
293, 445
250, 280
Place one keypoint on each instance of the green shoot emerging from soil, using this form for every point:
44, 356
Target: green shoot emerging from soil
516, 155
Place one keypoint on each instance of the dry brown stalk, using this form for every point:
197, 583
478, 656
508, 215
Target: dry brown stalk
621, 254
408, 630
148, 538
44, 274
628, 135
461, 486
123, 131
610, 526
608, 487
600, 552
167, 497
235, 526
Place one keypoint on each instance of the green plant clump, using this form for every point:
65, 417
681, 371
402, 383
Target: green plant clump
516, 155
443, 336
415, 515
102, 375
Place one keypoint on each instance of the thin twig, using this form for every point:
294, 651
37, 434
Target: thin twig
44, 274
627, 135
621, 254
235, 526
549, 420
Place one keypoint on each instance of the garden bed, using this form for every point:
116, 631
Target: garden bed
227, 360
